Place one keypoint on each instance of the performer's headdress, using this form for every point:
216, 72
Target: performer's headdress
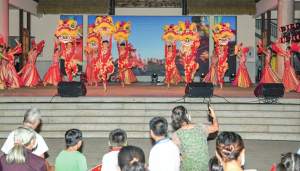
241, 44
34, 45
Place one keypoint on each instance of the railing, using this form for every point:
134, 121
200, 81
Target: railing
273, 27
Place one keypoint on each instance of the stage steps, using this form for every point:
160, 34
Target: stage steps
97, 116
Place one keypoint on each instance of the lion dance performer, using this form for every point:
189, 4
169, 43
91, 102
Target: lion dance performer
189, 38
242, 78
172, 74
91, 52
66, 33
125, 73
222, 35
211, 76
296, 48
104, 66
54, 74
289, 79
12, 78
29, 74
268, 75
2, 69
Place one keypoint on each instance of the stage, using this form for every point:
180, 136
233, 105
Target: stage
140, 89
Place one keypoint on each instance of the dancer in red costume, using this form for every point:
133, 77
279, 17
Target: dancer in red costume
125, 72
13, 80
172, 74
289, 79
190, 65
211, 75
54, 74
29, 74
69, 54
295, 47
2, 69
268, 75
104, 65
242, 78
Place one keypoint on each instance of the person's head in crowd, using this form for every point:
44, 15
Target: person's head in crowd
131, 158
230, 146
179, 116
73, 138
32, 118
280, 167
214, 164
158, 128
24, 138
117, 138
291, 161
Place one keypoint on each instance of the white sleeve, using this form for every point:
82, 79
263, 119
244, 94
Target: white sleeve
9, 143
41, 145
152, 161
104, 164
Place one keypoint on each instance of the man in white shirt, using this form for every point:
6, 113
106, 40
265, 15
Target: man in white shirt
164, 155
32, 118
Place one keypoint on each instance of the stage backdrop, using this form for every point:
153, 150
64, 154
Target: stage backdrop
231, 56
78, 51
148, 49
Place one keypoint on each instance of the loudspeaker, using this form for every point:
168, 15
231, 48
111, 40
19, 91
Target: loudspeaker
269, 90
204, 90
71, 89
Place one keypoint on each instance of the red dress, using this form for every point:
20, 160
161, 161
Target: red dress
289, 79
211, 75
242, 78
13, 80
172, 73
54, 74
190, 65
298, 88
29, 74
222, 63
70, 63
125, 72
269, 75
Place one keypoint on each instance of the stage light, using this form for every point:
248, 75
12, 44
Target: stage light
202, 75
297, 25
282, 29
291, 26
154, 77
232, 77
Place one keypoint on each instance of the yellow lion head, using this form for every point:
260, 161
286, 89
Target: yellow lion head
222, 33
92, 39
66, 30
187, 33
104, 26
170, 32
122, 31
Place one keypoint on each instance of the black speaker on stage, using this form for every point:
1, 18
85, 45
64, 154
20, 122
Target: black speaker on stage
71, 89
204, 90
269, 90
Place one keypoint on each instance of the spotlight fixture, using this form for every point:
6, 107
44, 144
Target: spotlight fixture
154, 77
282, 29
232, 77
297, 25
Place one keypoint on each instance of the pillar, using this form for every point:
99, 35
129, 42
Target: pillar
285, 16
4, 20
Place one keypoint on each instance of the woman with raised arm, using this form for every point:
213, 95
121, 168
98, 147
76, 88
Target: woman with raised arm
242, 78
268, 75
191, 139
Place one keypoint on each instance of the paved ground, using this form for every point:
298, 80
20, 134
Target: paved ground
260, 155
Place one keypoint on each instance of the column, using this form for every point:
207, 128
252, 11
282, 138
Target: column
285, 16
4, 20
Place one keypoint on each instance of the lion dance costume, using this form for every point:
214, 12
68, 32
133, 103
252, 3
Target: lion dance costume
66, 33
29, 74
189, 38
125, 73
54, 74
104, 27
172, 74
211, 76
242, 78
222, 35
268, 75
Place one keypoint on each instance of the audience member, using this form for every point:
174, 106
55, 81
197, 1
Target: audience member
164, 155
32, 118
214, 165
117, 139
20, 157
280, 167
71, 159
291, 161
131, 158
191, 139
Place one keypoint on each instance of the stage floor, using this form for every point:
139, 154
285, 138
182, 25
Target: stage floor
140, 89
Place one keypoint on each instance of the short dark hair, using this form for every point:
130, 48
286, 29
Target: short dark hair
127, 154
122, 44
117, 138
159, 126
291, 161
72, 137
105, 41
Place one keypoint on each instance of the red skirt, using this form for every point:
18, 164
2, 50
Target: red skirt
29, 75
289, 79
129, 76
211, 76
13, 80
269, 76
242, 78
53, 75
